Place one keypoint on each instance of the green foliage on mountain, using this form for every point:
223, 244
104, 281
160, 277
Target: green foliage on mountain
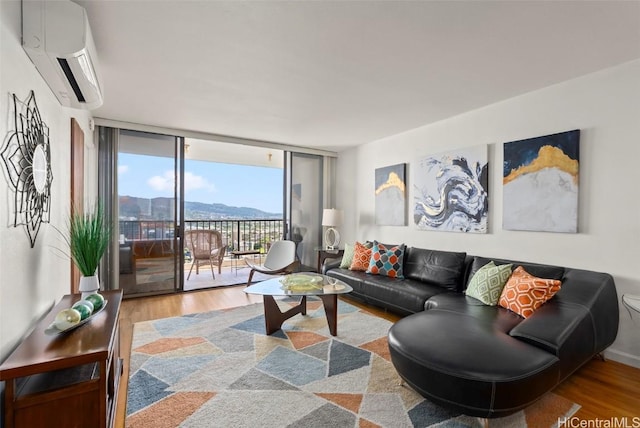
162, 208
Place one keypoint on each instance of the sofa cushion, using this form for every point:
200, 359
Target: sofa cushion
524, 293
495, 318
386, 261
487, 283
400, 295
456, 361
440, 268
361, 257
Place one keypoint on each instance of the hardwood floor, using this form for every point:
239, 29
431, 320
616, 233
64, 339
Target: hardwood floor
604, 389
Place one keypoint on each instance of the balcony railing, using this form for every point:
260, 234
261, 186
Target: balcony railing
241, 235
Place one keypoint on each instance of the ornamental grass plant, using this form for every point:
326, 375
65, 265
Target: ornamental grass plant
89, 236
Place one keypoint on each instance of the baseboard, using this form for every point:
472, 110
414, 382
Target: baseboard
623, 357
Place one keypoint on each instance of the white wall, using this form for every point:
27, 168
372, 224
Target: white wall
605, 106
33, 279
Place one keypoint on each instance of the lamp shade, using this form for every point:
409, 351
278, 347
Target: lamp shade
331, 217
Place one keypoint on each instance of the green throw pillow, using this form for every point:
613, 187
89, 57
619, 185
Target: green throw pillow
487, 283
347, 256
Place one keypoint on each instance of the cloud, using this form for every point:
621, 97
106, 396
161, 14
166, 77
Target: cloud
166, 182
123, 169
197, 182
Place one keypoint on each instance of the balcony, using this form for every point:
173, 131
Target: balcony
241, 235
147, 252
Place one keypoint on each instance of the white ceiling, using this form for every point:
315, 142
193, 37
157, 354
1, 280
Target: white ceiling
333, 74
152, 144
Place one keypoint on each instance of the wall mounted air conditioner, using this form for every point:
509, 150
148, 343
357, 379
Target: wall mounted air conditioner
57, 38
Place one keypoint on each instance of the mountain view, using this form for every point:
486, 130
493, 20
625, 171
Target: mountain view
134, 208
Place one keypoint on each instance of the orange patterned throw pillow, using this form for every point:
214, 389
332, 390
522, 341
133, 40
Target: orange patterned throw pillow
524, 293
361, 257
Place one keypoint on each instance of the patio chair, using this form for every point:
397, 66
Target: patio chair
281, 258
206, 246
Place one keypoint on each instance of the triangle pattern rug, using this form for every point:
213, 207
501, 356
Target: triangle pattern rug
219, 369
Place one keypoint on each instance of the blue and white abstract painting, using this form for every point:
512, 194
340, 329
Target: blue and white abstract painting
451, 191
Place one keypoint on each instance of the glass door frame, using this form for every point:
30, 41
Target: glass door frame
108, 154
299, 218
179, 213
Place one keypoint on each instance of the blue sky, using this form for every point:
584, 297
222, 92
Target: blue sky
208, 182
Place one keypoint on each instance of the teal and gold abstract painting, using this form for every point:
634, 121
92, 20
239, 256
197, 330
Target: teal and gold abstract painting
390, 196
540, 183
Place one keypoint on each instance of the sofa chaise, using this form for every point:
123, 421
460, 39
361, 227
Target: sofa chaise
483, 360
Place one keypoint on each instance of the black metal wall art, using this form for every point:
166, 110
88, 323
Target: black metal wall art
26, 157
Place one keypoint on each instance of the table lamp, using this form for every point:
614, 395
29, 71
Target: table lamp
331, 217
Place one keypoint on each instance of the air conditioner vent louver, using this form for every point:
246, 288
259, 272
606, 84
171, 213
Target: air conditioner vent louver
64, 64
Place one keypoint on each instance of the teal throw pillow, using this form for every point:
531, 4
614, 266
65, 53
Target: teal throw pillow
487, 283
386, 260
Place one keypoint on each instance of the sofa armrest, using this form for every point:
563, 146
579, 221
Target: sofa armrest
578, 322
551, 326
331, 264
596, 292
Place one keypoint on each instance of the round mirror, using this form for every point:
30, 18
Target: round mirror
39, 166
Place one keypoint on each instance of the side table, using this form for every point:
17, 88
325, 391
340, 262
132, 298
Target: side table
236, 255
325, 253
70, 379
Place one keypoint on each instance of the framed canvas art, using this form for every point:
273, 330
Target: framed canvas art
451, 191
390, 195
540, 183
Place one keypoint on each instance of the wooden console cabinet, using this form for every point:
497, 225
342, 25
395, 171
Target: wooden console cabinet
67, 380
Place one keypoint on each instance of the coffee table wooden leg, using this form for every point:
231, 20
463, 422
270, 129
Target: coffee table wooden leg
274, 317
331, 311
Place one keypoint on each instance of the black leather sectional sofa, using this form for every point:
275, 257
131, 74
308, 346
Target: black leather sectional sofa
481, 360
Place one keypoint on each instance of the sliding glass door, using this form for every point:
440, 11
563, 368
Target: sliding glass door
148, 184
157, 187
304, 189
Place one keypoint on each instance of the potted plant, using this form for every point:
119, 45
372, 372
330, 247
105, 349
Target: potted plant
88, 239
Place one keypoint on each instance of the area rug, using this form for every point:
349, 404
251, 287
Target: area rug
219, 369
